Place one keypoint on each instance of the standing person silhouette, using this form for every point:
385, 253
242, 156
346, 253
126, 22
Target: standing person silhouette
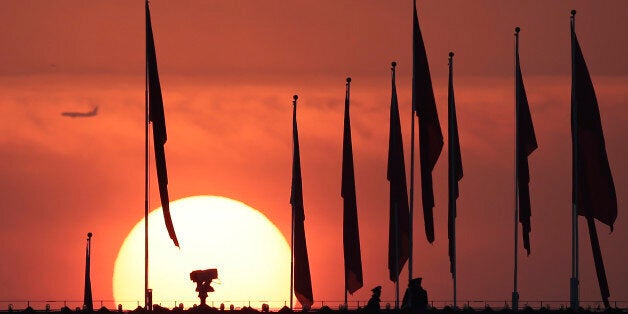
415, 298
373, 304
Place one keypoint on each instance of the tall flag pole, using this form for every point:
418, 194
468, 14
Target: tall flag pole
155, 115
351, 234
411, 208
398, 233
455, 174
525, 144
430, 134
302, 279
88, 304
593, 191
146, 157
574, 282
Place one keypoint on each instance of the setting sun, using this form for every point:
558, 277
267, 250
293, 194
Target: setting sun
250, 253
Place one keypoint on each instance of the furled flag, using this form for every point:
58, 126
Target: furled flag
526, 144
302, 279
398, 229
88, 304
455, 166
430, 135
593, 188
350, 230
156, 116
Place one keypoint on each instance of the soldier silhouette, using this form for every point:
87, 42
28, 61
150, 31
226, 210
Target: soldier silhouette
373, 304
415, 297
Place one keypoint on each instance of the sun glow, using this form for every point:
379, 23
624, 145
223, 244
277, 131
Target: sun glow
250, 253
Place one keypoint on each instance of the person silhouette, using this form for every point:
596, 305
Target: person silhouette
373, 304
415, 297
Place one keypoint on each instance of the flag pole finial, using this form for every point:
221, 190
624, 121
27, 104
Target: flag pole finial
295, 97
573, 13
394, 64
89, 235
517, 30
348, 79
451, 54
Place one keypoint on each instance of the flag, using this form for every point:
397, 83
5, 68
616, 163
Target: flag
88, 304
526, 144
156, 117
595, 187
398, 229
593, 190
350, 230
430, 135
455, 167
302, 279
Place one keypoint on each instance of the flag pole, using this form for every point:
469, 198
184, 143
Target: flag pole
574, 281
411, 220
347, 95
515, 293
146, 130
396, 227
452, 179
395, 216
88, 304
294, 114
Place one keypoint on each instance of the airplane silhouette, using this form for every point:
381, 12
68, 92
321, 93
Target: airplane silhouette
72, 114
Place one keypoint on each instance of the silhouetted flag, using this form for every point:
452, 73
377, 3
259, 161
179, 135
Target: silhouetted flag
156, 116
302, 279
596, 190
88, 304
398, 231
455, 166
430, 134
593, 187
351, 233
526, 144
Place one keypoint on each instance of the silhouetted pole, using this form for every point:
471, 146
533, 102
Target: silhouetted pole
396, 227
294, 114
147, 121
88, 304
515, 293
411, 220
346, 297
347, 92
396, 216
452, 176
574, 295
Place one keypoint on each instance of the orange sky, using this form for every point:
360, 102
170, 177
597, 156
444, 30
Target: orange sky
229, 70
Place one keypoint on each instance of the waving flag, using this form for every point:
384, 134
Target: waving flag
398, 228
302, 279
455, 167
157, 118
526, 144
593, 190
430, 134
350, 230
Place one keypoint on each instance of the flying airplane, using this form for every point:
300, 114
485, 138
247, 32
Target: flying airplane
72, 114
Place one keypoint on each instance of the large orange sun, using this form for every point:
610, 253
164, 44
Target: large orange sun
250, 253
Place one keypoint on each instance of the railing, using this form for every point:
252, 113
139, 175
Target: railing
56, 305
